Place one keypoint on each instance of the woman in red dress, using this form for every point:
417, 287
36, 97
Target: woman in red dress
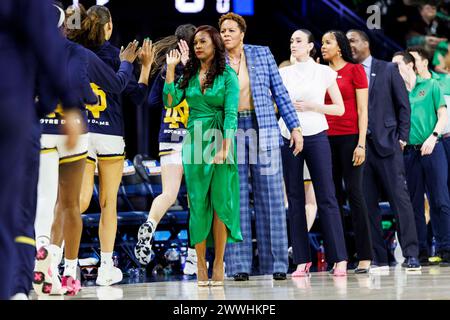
347, 136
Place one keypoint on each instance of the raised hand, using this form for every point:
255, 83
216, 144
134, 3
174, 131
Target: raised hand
130, 53
173, 58
147, 53
184, 49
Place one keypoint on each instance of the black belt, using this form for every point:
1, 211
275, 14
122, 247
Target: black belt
415, 147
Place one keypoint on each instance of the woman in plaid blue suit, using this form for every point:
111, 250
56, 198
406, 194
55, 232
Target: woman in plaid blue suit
259, 141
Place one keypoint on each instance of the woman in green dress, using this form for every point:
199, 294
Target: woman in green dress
211, 89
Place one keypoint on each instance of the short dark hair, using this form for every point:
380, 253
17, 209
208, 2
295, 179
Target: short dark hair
361, 33
433, 3
185, 32
423, 53
407, 57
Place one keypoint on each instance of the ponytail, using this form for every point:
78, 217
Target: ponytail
95, 26
313, 51
92, 31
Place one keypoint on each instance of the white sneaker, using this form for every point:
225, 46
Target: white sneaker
380, 270
190, 265
109, 293
46, 279
19, 296
143, 247
108, 275
42, 241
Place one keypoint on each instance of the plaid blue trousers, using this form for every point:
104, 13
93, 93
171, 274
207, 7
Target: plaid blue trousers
265, 173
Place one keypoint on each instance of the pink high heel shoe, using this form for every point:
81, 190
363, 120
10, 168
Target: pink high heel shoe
338, 273
304, 272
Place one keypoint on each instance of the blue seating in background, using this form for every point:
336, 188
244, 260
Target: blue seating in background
141, 183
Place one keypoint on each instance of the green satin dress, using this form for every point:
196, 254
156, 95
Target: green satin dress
210, 187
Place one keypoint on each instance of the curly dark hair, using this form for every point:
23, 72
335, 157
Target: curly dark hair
344, 45
193, 65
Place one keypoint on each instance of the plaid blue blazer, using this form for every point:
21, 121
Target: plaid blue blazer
266, 86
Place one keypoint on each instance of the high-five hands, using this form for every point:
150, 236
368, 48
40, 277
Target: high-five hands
184, 49
147, 53
173, 58
130, 53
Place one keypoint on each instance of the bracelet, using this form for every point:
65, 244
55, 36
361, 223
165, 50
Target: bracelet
299, 129
362, 147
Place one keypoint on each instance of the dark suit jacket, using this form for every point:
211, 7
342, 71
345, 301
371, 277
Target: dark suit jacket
389, 108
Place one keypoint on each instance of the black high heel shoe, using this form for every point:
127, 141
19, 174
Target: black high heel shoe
359, 270
279, 276
241, 276
362, 270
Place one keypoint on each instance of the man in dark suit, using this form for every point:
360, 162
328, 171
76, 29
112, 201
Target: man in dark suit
389, 124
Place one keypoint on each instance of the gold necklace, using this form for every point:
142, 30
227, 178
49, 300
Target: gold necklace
204, 76
236, 66
235, 63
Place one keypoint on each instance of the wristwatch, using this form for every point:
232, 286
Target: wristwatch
435, 134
